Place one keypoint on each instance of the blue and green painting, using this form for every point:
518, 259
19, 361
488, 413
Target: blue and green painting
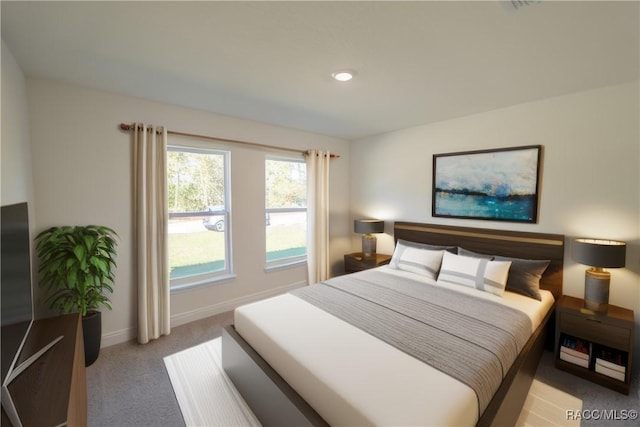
490, 185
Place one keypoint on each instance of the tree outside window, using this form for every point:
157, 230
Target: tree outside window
286, 211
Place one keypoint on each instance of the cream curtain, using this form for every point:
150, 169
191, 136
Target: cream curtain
150, 228
318, 215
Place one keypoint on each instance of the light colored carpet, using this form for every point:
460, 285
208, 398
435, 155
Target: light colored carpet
207, 397
205, 394
548, 406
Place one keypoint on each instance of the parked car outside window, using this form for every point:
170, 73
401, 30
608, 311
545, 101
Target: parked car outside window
215, 220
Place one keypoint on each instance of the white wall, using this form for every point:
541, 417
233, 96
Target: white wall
590, 174
17, 185
82, 174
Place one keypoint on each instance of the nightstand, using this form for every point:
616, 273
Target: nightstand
597, 347
356, 262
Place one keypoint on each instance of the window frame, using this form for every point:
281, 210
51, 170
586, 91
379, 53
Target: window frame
202, 279
289, 261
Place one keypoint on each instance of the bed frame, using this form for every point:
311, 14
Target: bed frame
275, 403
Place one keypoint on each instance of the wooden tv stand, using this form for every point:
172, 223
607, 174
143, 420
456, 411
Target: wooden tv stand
53, 390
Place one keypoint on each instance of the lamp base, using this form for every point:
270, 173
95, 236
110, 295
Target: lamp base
596, 290
368, 246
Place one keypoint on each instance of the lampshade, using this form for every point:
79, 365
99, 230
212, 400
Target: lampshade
367, 226
599, 253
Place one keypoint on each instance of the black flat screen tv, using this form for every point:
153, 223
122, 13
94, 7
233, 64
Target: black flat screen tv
17, 302
15, 282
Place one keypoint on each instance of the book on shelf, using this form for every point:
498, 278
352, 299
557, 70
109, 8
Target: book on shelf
611, 363
574, 353
612, 356
577, 344
575, 350
611, 370
580, 361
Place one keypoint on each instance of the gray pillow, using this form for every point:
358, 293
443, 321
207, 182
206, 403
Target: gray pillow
466, 252
451, 249
524, 275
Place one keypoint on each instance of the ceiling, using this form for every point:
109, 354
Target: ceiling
416, 62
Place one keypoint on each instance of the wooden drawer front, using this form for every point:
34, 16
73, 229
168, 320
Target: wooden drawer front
596, 331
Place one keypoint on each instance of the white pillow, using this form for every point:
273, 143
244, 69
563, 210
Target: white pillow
478, 273
416, 259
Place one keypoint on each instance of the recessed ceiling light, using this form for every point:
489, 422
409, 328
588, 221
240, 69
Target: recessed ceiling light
343, 75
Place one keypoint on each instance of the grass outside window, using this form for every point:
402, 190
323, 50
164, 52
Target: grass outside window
196, 252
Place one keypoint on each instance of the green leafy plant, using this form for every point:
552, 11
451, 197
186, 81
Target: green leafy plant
76, 265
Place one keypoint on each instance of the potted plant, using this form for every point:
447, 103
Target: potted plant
76, 266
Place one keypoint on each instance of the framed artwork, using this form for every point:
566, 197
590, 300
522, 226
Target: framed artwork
499, 184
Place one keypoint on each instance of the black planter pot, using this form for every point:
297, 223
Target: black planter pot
92, 334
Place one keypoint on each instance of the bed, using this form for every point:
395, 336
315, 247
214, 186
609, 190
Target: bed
374, 347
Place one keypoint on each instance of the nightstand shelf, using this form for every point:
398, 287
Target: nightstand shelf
603, 342
356, 262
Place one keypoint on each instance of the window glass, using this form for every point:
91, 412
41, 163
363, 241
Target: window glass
199, 229
286, 211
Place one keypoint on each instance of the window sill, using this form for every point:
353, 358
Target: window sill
211, 281
284, 266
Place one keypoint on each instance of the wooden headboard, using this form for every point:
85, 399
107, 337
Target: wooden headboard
515, 244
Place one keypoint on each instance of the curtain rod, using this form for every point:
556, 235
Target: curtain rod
125, 126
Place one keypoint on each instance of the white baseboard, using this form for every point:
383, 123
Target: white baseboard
117, 337
128, 334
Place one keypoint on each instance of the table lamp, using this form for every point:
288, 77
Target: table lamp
599, 254
366, 227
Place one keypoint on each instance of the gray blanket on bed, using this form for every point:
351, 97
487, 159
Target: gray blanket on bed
470, 339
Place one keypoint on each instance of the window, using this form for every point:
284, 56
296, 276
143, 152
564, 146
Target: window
286, 211
199, 212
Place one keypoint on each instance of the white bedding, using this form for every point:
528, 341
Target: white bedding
351, 378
